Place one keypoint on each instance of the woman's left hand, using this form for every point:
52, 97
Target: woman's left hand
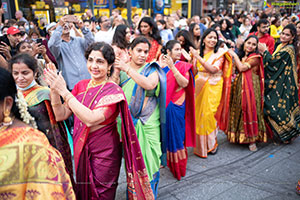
54, 80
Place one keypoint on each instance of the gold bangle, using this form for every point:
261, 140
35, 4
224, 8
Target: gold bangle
65, 97
55, 104
248, 65
69, 98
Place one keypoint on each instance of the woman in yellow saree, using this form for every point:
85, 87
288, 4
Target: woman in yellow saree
212, 92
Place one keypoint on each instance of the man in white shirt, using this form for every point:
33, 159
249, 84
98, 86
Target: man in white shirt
105, 34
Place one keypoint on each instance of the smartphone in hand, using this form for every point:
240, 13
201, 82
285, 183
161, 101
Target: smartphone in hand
71, 18
39, 41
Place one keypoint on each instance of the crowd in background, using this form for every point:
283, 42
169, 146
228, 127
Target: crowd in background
102, 89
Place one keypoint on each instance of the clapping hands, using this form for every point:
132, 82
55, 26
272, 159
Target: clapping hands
55, 80
262, 47
166, 60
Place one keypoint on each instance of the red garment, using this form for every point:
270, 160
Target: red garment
268, 40
248, 99
98, 154
176, 152
154, 51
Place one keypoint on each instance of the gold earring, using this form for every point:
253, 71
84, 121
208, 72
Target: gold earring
7, 119
108, 73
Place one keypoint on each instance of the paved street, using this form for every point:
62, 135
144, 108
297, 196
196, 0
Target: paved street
234, 173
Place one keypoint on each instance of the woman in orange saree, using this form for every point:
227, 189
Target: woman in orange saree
148, 28
180, 104
30, 167
96, 103
246, 125
212, 92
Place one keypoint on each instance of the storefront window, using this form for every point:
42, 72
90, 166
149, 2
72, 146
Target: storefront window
52, 10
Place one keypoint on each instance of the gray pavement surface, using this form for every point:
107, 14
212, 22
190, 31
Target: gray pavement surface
234, 173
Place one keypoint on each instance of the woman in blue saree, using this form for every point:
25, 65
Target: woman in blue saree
180, 108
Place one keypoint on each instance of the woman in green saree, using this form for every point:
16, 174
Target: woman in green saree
281, 107
144, 85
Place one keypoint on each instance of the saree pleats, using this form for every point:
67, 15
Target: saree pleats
149, 139
176, 151
281, 106
99, 165
206, 104
236, 132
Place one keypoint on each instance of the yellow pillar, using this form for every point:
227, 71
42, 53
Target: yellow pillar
189, 8
17, 5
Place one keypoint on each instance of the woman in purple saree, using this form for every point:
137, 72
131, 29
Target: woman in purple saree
96, 103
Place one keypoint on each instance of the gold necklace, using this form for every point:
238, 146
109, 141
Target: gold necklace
94, 96
94, 83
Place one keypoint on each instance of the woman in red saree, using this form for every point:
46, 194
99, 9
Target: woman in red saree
96, 103
185, 39
180, 104
246, 106
148, 28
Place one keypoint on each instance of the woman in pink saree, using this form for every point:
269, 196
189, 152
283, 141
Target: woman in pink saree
96, 103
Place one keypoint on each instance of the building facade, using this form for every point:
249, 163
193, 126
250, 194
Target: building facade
52, 10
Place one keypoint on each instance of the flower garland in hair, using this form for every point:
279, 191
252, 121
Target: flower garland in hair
23, 109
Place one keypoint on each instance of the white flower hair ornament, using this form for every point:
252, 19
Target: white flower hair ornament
23, 109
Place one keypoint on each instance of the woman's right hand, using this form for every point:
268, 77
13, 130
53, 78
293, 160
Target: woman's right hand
193, 51
54, 80
121, 65
262, 47
166, 60
231, 52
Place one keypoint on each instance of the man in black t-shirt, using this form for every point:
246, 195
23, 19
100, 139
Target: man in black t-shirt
9, 42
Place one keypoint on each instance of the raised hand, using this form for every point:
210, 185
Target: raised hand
166, 60
231, 52
121, 65
262, 47
54, 80
5, 49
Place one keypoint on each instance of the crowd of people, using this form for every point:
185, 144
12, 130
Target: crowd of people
99, 90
